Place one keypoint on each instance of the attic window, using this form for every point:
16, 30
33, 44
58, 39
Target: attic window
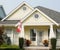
36, 15
24, 8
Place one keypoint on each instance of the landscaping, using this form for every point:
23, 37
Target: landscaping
8, 47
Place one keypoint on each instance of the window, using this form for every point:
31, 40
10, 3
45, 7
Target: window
8, 32
24, 8
48, 32
58, 33
36, 15
40, 36
32, 35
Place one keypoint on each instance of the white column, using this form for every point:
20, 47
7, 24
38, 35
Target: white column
51, 35
22, 32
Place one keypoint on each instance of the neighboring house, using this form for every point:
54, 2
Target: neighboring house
38, 24
2, 12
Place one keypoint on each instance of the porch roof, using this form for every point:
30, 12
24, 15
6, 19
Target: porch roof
8, 22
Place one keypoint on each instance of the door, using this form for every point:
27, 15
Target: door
39, 38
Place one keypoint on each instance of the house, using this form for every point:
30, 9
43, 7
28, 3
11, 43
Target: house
38, 23
2, 12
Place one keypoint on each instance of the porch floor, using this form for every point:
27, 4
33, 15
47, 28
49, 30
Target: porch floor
36, 48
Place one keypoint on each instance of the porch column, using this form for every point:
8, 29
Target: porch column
22, 32
52, 34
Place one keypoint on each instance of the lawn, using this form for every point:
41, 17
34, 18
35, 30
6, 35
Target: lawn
9, 47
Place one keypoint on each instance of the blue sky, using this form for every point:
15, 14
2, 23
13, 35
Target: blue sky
9, 5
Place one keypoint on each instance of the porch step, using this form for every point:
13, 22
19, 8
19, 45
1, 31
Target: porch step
36, 48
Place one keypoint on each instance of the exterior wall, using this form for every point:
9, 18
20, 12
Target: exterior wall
41, 20
38, 28
14, 36
20, 13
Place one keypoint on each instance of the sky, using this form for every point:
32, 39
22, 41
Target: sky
9, 5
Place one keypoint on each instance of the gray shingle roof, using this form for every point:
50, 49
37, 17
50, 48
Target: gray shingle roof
2, 12
9, 22
51, 13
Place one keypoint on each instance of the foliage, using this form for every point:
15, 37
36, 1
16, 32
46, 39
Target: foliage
45, 42
3, 37
10, 47
21, 42
28, 42
53, 43
4, 45
6, 39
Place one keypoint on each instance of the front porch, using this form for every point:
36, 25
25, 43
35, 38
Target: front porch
37, 35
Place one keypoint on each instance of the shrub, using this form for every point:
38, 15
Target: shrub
28, 42
53, 43
45, 42
4, 45
9, 47
21, 42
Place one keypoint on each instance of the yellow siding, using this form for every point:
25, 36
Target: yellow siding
40, 20
20, 13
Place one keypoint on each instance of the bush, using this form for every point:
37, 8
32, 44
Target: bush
21, 42
9, 47
45, 42
53, 43
4, 45
28, 42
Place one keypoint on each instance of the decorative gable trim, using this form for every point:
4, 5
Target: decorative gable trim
17, 9
41, 13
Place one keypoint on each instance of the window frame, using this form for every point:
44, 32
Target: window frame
36, 15
32, 36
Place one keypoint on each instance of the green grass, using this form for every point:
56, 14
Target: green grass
9, 47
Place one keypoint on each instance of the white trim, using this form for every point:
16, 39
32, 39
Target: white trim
42, 14
48, 17
52, 34
14, 10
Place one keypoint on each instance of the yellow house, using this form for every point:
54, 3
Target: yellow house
38, 24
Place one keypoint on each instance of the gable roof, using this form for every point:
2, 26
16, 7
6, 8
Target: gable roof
2, 12
51, 13
41, 13
23, 3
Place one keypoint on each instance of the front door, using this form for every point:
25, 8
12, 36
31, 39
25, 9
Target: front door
36, 37
39, 38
